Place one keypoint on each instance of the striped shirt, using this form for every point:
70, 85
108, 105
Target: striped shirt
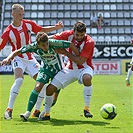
19, 36
85, 47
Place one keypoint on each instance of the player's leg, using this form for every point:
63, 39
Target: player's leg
42, 79
32, 69
40, 99
45, 114
57, 82
129, 73
18, 68
85, 78
55, 96
32, 100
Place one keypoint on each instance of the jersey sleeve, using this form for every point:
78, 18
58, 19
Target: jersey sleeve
59, 43
29, 48
35, 28
3, 40
63, 35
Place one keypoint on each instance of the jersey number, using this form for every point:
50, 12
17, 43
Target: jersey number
15, 64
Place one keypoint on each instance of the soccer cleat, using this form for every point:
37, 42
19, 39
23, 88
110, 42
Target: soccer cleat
44, 116
127, 82
36, 113
8, 114
87, 113
25, 116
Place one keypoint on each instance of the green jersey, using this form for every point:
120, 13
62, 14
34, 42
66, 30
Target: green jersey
51, 60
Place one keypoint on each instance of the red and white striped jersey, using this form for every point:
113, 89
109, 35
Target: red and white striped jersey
86, 48
19, 36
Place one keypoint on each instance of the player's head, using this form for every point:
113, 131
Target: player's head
79, 31
42, 41
17, 13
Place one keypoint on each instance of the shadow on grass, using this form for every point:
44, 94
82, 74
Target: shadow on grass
60, 122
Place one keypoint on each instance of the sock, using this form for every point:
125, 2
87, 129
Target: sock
32, 100
48, 103
129, 73
40, 98
87, 95
14, 92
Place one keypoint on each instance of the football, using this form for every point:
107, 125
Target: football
108, 111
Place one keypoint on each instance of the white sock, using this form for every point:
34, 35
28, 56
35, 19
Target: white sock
129, 73
14, 92
40, 98
87, 95
48, 103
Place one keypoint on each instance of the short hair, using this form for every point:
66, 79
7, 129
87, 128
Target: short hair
79, 26
17, 6
41, 37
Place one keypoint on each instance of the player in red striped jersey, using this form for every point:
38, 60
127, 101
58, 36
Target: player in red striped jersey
78, 68
18, 34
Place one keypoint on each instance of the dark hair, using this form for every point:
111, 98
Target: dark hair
41, 37
80, 26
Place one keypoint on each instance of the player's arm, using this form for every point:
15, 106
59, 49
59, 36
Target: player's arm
77, 59
10, 57
57, 26
22, 50
64, 44
51, 37
74, 49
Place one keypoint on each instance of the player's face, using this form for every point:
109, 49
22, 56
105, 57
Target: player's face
18, 15
43, 45
79, 36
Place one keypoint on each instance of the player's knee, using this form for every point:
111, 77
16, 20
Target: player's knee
50, 90
39, 86
19, 81
87, 80
17, 84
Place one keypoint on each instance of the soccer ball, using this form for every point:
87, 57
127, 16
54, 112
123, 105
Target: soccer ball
108, 111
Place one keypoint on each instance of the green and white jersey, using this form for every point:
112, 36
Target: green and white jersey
50, 59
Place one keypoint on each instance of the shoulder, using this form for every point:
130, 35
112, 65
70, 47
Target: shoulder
89, 40
7, 30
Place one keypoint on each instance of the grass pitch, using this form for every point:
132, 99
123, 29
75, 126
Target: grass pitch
67, 114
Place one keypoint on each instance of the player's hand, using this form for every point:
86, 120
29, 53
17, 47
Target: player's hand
5, 62
59, 25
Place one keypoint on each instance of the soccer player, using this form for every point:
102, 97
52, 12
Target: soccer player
78, 68
130, 69
18, 34
46, 49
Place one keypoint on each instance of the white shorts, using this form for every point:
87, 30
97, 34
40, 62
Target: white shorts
31, 67
68, 76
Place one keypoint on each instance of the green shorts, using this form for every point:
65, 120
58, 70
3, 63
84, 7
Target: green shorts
44, 75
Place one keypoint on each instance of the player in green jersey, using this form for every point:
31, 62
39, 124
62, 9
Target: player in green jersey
47, 49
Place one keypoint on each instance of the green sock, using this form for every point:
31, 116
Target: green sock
32, 100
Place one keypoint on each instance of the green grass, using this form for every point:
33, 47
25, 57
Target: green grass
67, 114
